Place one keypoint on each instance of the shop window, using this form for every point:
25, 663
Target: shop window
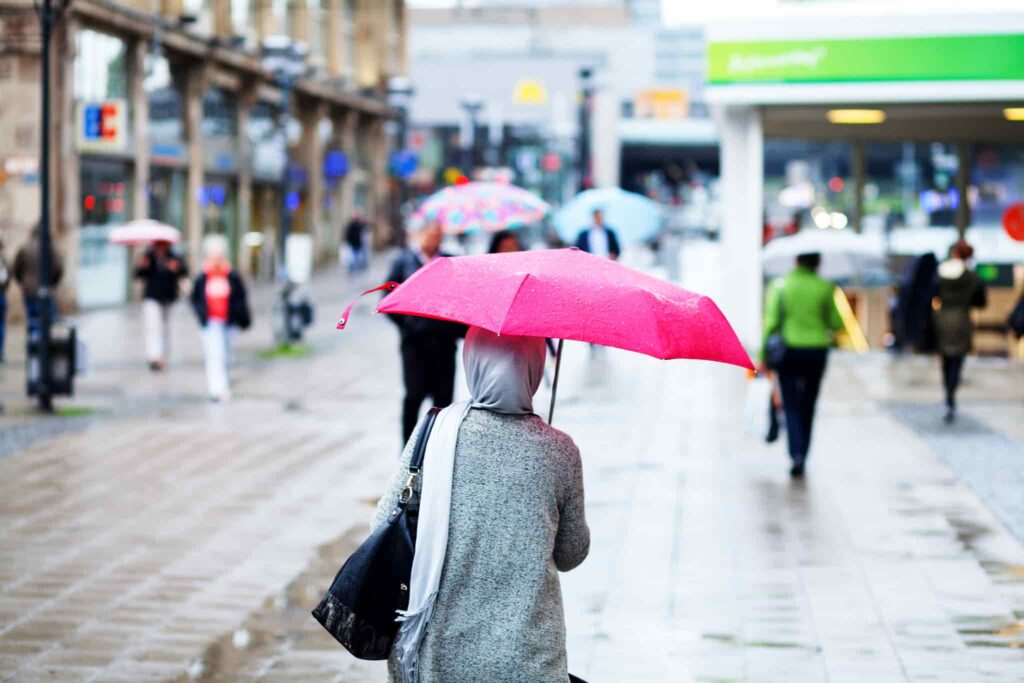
267, 142
101, 74
220, 130
166, 131
997, 182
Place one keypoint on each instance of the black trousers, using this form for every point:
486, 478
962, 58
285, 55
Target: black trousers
800, 379
428, 369
952, 371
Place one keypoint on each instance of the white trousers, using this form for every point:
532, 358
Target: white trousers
156, 320
217, 342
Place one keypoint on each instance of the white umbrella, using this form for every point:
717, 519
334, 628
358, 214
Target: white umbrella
143, 232
844, 254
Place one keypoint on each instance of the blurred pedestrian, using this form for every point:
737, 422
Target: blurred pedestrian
26, 272
501, 513
427, 345
599, 239
355, 234
161, 271
802, 308
915, 327
220, 302
959, 290
504, 241
5, 279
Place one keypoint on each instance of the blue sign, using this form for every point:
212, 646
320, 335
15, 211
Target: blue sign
403, 163
292, 201
93, 125
335, 165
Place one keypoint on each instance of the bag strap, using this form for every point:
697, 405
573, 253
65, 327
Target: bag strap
782, 307
419, 450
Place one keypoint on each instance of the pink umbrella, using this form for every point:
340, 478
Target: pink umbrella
568, 294
481, 206
143, 232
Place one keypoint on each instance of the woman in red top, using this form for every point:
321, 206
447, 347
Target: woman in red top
220, 303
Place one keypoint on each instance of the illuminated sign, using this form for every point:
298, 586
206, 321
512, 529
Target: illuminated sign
530, 91
661, 104
102, 126
843, 60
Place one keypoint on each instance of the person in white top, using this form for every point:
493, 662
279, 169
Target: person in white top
599, 239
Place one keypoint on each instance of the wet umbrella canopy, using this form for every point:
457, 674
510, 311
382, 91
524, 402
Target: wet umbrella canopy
568, 294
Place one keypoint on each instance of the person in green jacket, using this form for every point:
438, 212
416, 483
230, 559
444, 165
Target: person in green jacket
803, 305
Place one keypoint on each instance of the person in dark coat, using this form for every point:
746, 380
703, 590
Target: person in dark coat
915, 326
161, 271
354, 238
959, 290
599, 239
427, 346
222, 307
5, 280
26, 272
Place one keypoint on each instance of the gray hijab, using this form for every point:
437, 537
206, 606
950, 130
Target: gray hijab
503, 372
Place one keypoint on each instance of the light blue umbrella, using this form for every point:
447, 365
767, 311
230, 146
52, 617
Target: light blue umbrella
634, 217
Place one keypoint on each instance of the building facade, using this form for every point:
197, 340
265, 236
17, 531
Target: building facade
523, 60
164, 110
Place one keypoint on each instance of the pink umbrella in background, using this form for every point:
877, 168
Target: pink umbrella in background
568, 294
144, 232
473, 207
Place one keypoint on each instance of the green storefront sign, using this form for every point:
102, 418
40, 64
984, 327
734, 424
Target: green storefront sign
924, 58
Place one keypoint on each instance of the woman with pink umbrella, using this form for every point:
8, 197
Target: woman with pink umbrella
500, 492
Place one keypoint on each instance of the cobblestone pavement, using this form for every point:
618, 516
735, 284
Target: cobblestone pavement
188, 542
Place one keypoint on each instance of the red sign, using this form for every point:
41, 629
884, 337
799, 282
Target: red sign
1013, 221
551, 162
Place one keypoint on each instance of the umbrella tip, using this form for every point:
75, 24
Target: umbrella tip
341, 323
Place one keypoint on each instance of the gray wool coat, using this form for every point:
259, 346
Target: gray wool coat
516, 520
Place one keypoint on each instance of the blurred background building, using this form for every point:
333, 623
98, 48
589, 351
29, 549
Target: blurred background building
172, 110
498, 92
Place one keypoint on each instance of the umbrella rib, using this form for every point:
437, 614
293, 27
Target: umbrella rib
511, 305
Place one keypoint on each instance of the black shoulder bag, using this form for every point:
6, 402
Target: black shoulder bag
775, 345
360, 607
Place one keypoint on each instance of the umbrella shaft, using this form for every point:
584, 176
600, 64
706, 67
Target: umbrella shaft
554, 383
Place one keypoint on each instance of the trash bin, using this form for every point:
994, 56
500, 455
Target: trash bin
63, 359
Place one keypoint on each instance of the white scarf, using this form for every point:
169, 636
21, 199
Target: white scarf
503, 374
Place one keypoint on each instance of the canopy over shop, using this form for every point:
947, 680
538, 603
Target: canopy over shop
924, 109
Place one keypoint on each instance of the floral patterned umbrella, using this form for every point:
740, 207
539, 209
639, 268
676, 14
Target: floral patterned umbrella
481, 206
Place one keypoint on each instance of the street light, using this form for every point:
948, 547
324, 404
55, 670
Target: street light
586, 75
43, 385
285, 60
472, 105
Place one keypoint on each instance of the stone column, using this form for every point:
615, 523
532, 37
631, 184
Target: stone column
140, 126
383, 231
401, 58
264, 17
246, 99
742, 178
311, 156
222, 28
298, 14
367, 68
65, 177
172, 9
335, 39
195, 86
347, 125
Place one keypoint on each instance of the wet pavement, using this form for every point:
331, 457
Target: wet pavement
161, 538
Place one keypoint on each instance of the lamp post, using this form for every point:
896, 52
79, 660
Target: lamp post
400, 92
586, 75
285, 60
472, 105
48, 16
